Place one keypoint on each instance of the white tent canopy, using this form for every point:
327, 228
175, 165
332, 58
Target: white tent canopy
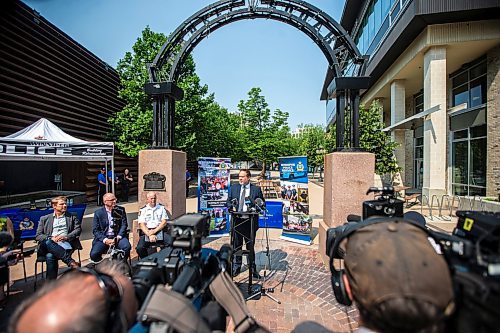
43, 140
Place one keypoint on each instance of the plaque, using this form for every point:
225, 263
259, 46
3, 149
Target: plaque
154, 181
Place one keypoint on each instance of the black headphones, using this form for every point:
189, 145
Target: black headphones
337, 276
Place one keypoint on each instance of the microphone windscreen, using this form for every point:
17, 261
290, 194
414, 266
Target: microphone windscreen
259, 202
5, 239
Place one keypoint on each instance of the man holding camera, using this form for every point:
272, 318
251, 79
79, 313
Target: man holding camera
109, 228
58, 236
152, 222
242, 198
393, 273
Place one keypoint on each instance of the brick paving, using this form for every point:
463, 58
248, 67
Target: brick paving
301, 282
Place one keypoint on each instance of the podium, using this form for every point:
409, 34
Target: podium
245, 225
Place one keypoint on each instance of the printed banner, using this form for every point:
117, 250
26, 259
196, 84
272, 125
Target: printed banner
213, 190
27, 220
297, 224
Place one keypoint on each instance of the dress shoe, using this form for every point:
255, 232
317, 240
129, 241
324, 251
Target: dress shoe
235, 271
74, 264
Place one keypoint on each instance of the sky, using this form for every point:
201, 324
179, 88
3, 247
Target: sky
281, 60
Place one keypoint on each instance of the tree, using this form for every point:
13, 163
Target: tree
203, 128
264, 133
372, 139
312, 143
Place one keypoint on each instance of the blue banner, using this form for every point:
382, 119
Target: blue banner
297, 224
213, 190
273, 217
27, 220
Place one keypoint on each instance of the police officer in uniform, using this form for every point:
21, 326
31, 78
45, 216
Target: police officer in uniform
153, 224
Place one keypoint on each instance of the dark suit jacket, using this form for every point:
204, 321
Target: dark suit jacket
234, 192
100, 224
74, 225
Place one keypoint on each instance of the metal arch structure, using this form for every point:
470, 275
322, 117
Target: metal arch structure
317, 25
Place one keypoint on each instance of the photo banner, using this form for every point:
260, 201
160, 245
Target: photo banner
297, 224
213, 190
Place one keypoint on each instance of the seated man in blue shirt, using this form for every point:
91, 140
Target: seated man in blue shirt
109, 230
58, 236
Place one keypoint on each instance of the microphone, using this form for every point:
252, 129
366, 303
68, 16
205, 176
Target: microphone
260, 204
5, 239
234, 203
224, 255
250, 204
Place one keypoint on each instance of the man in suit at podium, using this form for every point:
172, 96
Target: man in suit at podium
242, 198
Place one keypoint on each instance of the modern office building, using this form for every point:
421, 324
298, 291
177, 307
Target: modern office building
434, 66
45, 73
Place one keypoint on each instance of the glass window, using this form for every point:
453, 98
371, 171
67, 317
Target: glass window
419, 141
419, 102
469, 85
395, 12
371, 24
460, 162
478, 70
460, 95
460, 134
469, 161
478, 131
478, 162
460, 79
378, 14
478, 91
386, 5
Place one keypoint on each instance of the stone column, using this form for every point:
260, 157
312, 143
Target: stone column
435, 131
172, 165
348, 175
397, 115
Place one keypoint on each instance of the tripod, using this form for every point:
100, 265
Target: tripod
260, 290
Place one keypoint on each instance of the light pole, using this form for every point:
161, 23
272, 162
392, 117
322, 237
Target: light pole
320, 151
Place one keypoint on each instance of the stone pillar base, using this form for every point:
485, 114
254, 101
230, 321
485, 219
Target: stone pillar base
348, 175
172, 165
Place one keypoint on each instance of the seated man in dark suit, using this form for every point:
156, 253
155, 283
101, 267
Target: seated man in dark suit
109, 229
58, 236
239, 194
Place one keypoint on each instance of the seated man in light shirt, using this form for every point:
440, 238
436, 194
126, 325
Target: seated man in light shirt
152, 222
58, 236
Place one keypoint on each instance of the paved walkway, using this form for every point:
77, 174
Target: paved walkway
299, 278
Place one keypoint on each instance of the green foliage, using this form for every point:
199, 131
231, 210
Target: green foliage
265, 135
312, 143
374, 140
202, 127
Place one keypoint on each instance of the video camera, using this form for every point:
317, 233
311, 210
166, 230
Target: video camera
472, 252
165, 266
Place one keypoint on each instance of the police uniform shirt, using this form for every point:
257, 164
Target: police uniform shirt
152, 216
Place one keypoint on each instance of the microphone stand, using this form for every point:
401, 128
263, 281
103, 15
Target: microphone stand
261, 290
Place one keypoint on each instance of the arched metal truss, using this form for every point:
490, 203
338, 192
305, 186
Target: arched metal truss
316, 24
345, 61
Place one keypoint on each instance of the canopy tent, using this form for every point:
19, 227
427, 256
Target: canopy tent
43, 140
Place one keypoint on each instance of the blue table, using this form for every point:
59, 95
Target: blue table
27, 220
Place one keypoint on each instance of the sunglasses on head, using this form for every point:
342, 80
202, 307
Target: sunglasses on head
113, 293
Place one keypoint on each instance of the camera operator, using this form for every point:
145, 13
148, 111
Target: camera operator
105, 303
153, 222
393, 274
109, 228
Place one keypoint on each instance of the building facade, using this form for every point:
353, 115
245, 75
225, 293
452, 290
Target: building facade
45, 73
434, 67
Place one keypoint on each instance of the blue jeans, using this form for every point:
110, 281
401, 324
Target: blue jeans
53, 252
